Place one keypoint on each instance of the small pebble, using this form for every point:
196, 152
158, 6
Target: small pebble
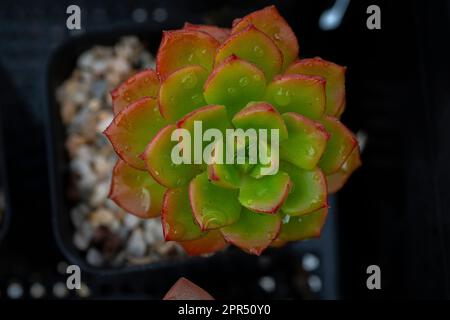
98, 88
84, 291
131, 221
267, 283
80, 242
15, 290
153, 231
100, 193
94, 257
101, 217
37, 290
136, 246
60, 290
314, 283
104, 123
95, 104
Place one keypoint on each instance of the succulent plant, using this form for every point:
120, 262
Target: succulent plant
247, 77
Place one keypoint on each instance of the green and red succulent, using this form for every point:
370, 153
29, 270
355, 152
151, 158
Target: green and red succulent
245, 77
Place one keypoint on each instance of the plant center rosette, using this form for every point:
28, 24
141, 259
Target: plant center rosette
248, 77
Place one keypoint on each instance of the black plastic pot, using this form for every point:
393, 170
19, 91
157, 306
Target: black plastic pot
236, 270
60, 66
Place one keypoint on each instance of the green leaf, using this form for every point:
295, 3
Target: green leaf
220, 34
211, 117
208, 117
336, 181
212, 242
260, 115
214, 207
339, 146
308, 193
298, 93
158, 161
306, 143
136, 191
269, 21
253, 232
334, 76
266, 194
253, 46
182, 92
181, 48
133, 128
177, 217
224, 175
234, 83
142, 84
303, 227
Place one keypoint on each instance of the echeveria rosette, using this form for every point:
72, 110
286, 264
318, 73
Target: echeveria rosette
246, 77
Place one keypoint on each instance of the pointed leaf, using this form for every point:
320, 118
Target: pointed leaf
245, 167
224, 175
253, 232
214, 207
136, 191
158, 161
182, 92
334, 76
184, 289
267, 194
212, 242
142, 84
308, 193
298, 93
234, 83
337, 180
253, 46
200, 120
181, 48
177, 217
262, 169
339, 146
211, 116
133, 128
306, 143
260, 115
303, 227
220, 34
269, 21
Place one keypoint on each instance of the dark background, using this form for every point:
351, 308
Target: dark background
394, 211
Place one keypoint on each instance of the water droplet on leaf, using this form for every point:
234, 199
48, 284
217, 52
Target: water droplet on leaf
258, 51
145, 199
197, 98
189, 81
257, 77
282, 97
231, 90
243, 81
